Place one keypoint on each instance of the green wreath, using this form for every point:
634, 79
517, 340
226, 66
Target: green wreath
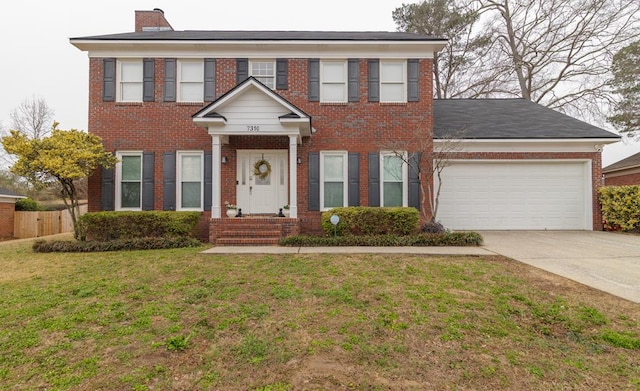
260, 171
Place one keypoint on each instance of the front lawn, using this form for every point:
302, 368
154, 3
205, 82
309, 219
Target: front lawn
181, 320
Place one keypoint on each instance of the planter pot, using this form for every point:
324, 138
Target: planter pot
231, 212
285, 212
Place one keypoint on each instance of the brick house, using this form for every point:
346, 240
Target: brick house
264, 119
623, 172
8, 200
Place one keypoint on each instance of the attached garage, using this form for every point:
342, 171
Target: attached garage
493, 195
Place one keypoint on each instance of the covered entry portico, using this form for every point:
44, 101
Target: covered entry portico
253, 109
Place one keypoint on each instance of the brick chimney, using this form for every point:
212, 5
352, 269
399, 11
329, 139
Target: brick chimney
152, 21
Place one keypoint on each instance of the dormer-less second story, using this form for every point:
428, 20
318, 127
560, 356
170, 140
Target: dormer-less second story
156, 64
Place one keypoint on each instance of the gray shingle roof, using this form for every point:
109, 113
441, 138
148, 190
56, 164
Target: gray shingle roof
508, 119
263, 36
7, 192
629, 162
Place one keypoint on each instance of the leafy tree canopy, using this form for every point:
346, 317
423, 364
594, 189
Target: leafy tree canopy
626, 82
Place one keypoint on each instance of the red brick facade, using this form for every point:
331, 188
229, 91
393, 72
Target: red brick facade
622, 179
6, 218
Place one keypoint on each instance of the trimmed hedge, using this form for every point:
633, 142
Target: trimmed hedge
621, 207
67, 246
27, 205
362, 220
105, 226
423, 239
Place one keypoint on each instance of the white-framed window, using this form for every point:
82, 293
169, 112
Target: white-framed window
190, 180
394, 183
393, 81
333, 81
333, 179
264, 71
130, 80
190, 81
129, 181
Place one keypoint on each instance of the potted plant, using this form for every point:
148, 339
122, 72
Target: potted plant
285, 210
231, 209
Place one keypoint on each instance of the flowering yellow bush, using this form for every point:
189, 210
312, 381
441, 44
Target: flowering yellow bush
621, 207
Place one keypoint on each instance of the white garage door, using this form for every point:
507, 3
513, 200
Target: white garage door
515, 195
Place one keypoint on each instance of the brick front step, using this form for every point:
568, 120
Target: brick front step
250, 231
243, 233
226, 241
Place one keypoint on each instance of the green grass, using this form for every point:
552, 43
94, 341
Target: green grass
178, 319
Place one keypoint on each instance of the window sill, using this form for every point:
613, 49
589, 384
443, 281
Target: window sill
189, 103
393, 103
334, 103
129, 103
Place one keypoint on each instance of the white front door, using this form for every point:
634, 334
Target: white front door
262, 188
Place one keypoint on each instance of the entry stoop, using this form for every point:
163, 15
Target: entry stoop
251, 230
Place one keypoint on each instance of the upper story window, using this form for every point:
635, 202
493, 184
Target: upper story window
129, 181
394, 176
264, 71
393, 86
190, 180
333, 183
333, 81
130, 77
190, 81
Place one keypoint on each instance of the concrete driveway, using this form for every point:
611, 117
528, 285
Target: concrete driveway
603, 260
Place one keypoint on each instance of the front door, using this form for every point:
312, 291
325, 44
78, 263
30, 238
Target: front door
262, 181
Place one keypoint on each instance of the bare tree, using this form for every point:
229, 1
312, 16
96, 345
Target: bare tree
33, 117
428, 159
558, 52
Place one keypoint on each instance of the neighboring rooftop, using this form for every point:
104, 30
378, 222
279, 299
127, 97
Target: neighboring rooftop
629, 162
508, 119
218, 35
11, 193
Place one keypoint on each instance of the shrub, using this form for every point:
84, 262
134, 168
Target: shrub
27, 205
433, 227
68, 246
621, 207
360, 220
104, 226
422, 239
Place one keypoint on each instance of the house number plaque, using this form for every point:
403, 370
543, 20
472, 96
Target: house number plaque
253, 128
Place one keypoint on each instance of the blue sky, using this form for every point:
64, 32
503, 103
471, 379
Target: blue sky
38, 59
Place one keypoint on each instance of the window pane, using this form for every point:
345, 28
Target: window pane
392, 194
392, 168
131, 92
131, 71
392, 92
392, 71
262, 68
131, 167
333, 194
333, 168
191, 92
191, 72
130, 195
191, 168
191, 193
267, 81
333, 92
333, 72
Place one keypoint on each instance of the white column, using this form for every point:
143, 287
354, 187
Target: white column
216, 171
293, 177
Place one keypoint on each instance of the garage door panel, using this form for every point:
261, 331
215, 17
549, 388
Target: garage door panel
501, 195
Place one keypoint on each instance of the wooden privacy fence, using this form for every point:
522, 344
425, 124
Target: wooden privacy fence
36, 224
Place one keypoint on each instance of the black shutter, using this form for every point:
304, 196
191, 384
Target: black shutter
354, 179
354, 80
148, 80
414, 180
314, 80
242, 69
208, 180
209, 79
314, 181
170, 72
148, 175
282, 74
374, 80
108, 188
374, 179
109, 81
413, 71
169, 181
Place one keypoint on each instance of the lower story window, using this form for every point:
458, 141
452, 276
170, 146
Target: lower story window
333, 167
394, 179
129, 181
190, 180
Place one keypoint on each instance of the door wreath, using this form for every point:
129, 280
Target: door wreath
262, 169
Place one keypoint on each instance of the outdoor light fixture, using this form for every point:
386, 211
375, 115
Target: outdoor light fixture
299, 160
224, 160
